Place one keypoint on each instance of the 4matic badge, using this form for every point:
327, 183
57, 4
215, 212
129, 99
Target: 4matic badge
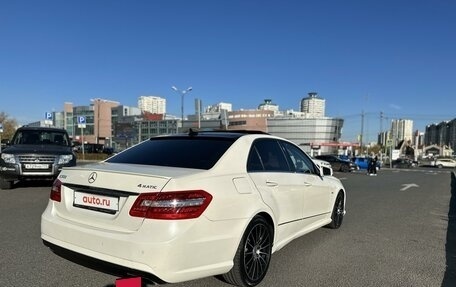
147, 186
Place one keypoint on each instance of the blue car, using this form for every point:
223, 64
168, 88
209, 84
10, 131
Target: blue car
363, 162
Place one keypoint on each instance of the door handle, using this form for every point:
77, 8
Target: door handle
271, 183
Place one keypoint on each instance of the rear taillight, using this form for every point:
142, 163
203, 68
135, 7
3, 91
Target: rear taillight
56, 189
171, 205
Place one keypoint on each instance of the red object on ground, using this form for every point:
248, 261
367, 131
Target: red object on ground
129, 282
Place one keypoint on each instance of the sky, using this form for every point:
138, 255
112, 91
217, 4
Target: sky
364, 57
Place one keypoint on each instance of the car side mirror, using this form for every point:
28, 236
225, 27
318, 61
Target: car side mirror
325, 171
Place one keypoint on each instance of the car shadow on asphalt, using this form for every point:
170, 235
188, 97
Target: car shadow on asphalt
33, 183
450, 273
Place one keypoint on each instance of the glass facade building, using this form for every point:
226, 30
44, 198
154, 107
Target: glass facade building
308, 133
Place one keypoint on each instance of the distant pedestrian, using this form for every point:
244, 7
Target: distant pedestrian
372, 166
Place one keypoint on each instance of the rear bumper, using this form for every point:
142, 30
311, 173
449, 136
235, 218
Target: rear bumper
171, 251
102, 266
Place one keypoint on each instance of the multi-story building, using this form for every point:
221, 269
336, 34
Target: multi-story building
217, 108
268, 106
401, 131
249, 119
212, 117
441, 134
319, 135
109, 123
148, 129
69, 120
152, 104
98, 127
123, 118
123, 111
383, 137
418, 139
313, 106
314, 135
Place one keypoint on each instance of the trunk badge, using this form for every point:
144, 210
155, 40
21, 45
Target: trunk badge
92, 177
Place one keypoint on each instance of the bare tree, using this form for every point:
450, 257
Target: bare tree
9, 125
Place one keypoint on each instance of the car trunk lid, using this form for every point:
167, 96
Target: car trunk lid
101, 195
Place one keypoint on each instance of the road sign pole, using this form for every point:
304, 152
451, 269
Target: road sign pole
391, 156
82, 141
82, 125
1, 132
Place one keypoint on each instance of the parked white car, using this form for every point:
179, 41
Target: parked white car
445, 162
181, 207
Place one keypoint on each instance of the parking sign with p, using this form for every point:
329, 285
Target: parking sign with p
81, 122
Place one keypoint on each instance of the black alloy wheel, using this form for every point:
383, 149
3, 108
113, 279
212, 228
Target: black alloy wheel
337, 215
252, 258
344, 168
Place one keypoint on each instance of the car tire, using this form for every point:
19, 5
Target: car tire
6, 184
440, 166
344, 168
337, 215
253, 255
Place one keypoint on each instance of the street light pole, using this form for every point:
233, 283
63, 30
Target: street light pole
182, 93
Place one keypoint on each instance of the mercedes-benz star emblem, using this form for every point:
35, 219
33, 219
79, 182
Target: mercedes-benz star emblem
92, 177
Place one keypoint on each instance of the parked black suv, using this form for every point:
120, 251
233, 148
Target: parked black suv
35, 153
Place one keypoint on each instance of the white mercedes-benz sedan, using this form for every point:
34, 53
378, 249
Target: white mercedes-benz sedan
186, 206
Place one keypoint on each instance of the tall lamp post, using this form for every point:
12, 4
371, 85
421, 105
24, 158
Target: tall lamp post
182, 93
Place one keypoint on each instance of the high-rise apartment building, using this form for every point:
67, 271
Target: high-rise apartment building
401, 130
313, 106
152, 104
443, 133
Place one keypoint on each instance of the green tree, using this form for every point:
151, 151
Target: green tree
9, 125
375, 149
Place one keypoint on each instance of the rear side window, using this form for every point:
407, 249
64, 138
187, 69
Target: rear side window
191, 152
267, 155
300, 161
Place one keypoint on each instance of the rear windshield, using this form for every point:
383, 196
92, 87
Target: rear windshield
37, 137
187, 152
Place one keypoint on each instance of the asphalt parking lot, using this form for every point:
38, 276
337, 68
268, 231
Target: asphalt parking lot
400, 230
